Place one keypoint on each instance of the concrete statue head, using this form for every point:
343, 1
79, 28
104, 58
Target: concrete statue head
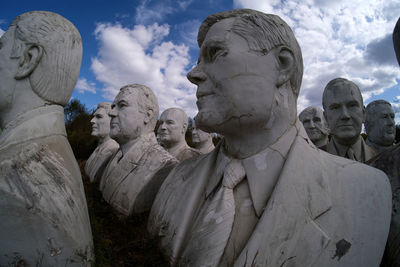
101, 121
202, 140
380, 125
246, 49
171, 134
41, 52
133, 113
344, 110
173, 126
315, 124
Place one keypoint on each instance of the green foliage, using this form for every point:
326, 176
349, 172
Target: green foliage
78, 126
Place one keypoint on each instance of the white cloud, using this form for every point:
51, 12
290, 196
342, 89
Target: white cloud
84, 86
141, 55
347, 39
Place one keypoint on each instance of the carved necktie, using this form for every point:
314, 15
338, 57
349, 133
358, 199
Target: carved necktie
213, 226
350, 154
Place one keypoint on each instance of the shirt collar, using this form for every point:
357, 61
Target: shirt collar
342, 149
262, 169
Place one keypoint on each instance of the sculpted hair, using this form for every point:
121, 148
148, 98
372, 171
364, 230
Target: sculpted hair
146, 100
55, 76
337, 83
262, 32
105, 105
371, 110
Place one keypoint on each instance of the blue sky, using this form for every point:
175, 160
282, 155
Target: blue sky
154, 43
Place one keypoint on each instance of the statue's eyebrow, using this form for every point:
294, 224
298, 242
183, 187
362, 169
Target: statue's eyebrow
213, 42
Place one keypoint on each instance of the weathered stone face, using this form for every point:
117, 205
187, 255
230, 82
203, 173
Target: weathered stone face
344, 112
127, 121
315, 124
380, 126
100, 123
173, 125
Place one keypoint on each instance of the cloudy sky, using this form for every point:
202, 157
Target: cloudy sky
154, 43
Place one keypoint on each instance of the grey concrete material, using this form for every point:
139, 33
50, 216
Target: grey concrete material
202, 141
380, 125
44, 217
316, 126
345, 113
136, 170
43, 212
322, 210
100, 157
389, 162
171, 134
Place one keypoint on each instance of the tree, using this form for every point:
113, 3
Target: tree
78, 126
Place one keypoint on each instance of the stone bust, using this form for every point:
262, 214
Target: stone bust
202, 141
106, 147
265, 194
43, 213
316, 126
388, 161
380, 125
171, 133
345, 113
135, 172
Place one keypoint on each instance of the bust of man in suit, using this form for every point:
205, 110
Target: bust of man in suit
106, 147
43, 214
315, 124
135, 172
345, 113
380, 125
171, 133
265, 195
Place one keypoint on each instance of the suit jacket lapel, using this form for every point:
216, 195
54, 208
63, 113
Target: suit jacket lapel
117, 172
286, 233
197, 182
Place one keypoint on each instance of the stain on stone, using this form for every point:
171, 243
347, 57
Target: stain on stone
342, 247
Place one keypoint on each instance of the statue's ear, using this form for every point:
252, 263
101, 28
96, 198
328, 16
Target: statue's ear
184, 128
286, 65
29, 60
149, 115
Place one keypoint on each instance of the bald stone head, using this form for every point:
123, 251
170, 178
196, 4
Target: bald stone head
315, 124
343, 110
173, 126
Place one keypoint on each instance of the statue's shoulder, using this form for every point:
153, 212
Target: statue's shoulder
157, 153
352, 173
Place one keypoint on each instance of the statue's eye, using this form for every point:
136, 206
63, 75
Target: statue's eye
215, 51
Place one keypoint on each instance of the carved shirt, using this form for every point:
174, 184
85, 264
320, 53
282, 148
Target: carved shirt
308, 212
362, 152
